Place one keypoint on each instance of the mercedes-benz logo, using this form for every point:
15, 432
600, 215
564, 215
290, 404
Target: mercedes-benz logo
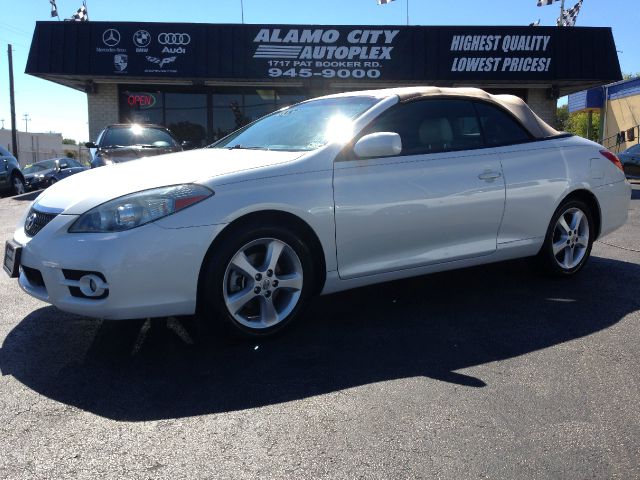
174, 39
141, 38
31, 219
111, 37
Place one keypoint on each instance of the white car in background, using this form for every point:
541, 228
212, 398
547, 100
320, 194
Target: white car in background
330, 194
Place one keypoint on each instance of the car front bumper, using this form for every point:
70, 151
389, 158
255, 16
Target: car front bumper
149, 271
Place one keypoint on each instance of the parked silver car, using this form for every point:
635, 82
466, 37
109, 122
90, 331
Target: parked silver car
326, 195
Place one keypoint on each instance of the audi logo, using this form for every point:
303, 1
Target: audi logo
174, 39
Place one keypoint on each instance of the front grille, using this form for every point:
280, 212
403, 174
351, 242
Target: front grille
36, 221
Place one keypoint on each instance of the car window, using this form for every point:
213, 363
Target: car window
100, 135
431, 126
72, 163
40, 166
128, 136
499, 127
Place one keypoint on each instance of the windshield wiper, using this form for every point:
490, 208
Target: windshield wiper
242, 147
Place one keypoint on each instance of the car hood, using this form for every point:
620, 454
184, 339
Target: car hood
48, 171
78, 193
133, 152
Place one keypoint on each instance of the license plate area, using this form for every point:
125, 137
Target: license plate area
12, 254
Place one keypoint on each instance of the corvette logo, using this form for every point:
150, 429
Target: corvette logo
161, 62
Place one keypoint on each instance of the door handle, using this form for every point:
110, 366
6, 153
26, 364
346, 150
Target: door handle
489, 175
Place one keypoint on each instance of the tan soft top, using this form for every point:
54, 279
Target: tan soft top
518, 108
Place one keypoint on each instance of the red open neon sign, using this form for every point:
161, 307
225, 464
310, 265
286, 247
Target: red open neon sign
142, 100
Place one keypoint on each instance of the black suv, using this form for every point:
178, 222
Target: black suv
11, 178
124, 142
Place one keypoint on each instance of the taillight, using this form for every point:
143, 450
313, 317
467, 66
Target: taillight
612, 158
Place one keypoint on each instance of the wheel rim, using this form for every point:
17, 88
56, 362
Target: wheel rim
18, 186
570, 238
262, 283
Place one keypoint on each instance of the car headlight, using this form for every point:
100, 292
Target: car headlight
139, 208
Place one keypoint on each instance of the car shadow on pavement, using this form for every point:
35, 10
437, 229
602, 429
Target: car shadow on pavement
27, 197
430, 326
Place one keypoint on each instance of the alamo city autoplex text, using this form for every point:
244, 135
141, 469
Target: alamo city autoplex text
508, 44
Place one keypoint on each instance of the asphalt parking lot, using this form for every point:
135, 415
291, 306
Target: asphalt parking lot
490, 372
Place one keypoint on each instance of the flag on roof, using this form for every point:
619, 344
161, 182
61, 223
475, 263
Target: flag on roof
54, 8
384, 2
569, 17
81, 15
542, 3
535, 24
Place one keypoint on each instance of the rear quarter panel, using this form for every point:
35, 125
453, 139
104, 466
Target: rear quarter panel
539, 175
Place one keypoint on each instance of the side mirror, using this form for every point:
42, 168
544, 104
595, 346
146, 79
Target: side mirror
90, 145
381, 144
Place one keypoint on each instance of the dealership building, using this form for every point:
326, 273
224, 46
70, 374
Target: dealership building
205, 80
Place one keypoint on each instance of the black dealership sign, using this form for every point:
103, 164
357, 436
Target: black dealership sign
345, 53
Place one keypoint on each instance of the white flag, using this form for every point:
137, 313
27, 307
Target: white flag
384, 2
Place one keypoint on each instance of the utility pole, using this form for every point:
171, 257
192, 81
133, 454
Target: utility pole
26, 119
12, 99
242, 10
407, 13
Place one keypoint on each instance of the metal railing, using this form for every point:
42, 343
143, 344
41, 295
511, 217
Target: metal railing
622, 140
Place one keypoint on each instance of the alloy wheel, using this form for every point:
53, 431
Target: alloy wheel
570, 238
263, 283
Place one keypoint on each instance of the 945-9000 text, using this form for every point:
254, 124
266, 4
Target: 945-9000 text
325, 73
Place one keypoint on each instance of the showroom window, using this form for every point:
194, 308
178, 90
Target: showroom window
202, 115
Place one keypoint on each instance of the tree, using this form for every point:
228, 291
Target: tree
68, 141
629, 76
578, 123
562, 117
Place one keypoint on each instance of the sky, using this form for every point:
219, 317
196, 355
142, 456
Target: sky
52, 107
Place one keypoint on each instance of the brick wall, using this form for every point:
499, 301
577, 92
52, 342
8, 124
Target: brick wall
103, 108
544, 107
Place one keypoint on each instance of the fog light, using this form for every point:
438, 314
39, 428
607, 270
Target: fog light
91, 285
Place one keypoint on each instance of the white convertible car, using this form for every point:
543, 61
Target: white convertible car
330, 194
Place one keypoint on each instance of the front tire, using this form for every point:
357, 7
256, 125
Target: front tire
569, 239
257, 281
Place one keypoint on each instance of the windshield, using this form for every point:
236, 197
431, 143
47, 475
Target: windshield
39, 167
305, 126
136, 135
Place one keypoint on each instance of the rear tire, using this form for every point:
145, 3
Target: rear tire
569, 238
18, 185
256, 282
